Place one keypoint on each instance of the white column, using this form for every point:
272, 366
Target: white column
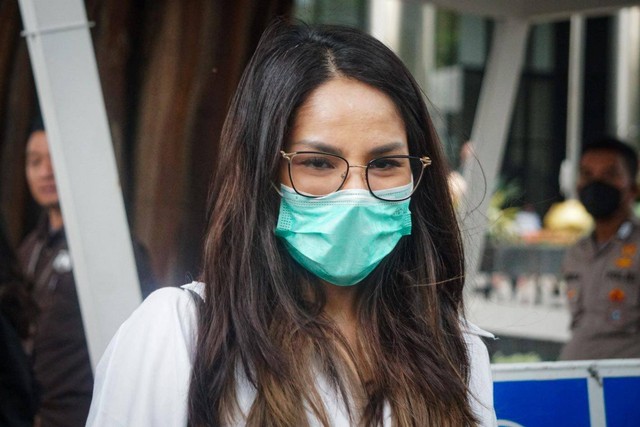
384, 18
627, 74
73, 110
569, 169
428, 37
425, 48
490, 131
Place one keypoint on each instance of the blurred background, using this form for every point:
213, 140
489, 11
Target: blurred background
168, 69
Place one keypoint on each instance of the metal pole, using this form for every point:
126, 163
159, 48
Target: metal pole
574, 107
73, 110
490, 131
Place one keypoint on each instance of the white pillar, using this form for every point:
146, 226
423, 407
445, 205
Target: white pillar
490, 131
424, 54
627, 74
73, 110
569, 169
428, 37
384, 18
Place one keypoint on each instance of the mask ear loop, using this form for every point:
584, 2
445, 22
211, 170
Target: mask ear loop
275, 187
292, 191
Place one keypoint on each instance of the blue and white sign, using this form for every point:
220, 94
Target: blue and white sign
602, 393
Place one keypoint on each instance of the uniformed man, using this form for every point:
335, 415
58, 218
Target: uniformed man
60, 353
602, 271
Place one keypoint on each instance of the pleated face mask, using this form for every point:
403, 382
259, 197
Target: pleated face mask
342, 237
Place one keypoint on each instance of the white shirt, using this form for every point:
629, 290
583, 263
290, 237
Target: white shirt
143, 377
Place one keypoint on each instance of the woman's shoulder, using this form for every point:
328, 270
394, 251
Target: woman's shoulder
172, 296
167, 305
167, 313
476, 348
170, 303
474, 332
143, 377
480, 377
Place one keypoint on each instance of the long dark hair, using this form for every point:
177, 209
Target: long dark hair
262, 316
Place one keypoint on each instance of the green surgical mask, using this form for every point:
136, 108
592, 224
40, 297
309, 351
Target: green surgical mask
342, 237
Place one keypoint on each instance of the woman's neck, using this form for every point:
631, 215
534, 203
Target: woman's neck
341, 308
55, 218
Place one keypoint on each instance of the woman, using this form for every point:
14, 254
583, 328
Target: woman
333, 267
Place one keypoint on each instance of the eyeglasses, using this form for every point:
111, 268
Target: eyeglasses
317, 174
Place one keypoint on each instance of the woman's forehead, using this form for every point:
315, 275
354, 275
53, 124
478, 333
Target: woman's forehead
347, 115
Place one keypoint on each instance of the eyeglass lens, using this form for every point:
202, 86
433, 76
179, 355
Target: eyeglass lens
319, 174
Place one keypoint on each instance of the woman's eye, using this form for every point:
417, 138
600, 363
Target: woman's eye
385, 164
32, 163
317, 163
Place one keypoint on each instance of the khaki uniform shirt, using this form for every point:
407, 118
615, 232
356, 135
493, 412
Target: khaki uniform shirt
603, 290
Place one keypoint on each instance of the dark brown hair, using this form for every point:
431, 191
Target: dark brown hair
263, 314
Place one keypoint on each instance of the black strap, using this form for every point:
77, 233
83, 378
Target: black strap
196, 297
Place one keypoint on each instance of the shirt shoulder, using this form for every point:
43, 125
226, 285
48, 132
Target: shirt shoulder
166, 310
143, 377
634, 234
480, 376
581, 246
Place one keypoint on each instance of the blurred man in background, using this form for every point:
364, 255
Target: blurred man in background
60, 353
602, 271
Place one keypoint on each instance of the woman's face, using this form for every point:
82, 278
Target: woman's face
351, 119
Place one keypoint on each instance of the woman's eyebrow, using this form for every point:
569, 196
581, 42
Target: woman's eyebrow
381, 150
318, 146
377, 151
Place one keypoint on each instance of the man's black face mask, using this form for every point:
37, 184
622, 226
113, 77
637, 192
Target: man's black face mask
601, 200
